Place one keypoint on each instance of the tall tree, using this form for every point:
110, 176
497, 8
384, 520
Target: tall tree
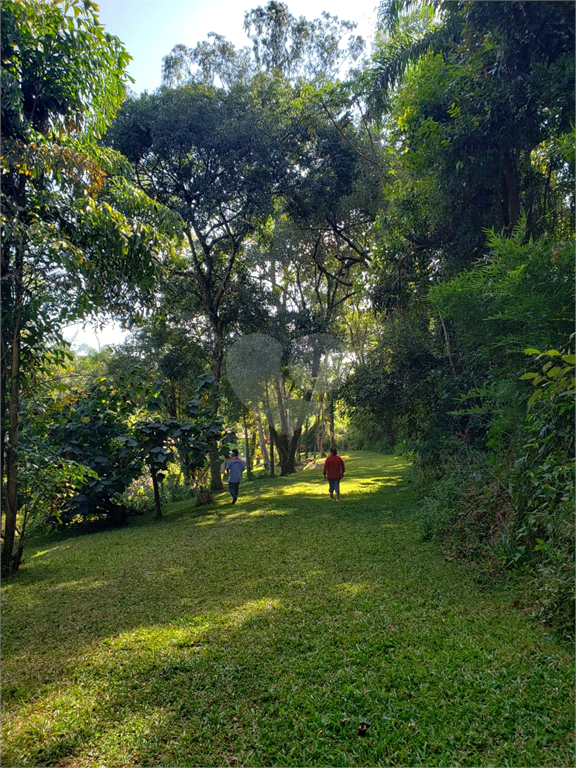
282, 45
76, 236
301, 49
495, 92
216, 158
222, 150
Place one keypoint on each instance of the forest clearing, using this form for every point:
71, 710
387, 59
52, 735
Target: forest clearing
269, 632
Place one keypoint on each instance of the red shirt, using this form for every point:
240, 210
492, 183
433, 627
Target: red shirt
333, 467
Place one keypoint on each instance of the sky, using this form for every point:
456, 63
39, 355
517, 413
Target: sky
150, 29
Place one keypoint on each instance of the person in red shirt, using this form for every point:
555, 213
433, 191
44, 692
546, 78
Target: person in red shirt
334, 470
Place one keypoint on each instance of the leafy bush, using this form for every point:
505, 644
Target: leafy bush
467, 506
542, 485
175, 489
139, 496
516, 510
91, 429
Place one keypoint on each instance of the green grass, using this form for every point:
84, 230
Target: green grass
266, 633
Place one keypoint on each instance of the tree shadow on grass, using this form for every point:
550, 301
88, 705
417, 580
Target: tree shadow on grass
257, 634
80, 591
180, 668
69, 601
281, 677
142, 559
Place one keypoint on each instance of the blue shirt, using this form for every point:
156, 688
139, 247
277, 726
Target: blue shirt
235, 467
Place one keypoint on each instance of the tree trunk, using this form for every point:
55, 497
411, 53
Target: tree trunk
448, 347
262, 441
156, 493
287, 450
320, 426
331, 423
294, 443
9, 564
247, 442
171, 404
270, 428
322, 436
215, 476
512, 192
284, 426
281, 444
253, 438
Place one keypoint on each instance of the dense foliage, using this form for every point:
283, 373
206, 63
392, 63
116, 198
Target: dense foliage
78, 238
382, 255
474, 268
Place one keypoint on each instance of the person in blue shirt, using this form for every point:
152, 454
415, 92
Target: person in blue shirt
234, 468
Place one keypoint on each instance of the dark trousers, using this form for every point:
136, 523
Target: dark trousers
334, 485
233, 488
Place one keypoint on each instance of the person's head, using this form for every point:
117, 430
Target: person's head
234, 453
333, 451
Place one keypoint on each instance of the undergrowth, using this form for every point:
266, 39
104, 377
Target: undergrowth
466, 506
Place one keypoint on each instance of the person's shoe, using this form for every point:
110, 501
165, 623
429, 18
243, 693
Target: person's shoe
235, 499
337, 498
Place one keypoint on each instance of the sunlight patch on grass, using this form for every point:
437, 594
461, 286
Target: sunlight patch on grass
209, 520
351, 590
242, 515
253, 607
78, 585
50, 550
371, 485
297, 489
122, 743
49, 719
56, 721
158, 637
269, 643
261, 512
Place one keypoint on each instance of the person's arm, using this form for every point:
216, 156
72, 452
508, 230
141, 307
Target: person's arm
342, 468
324, 470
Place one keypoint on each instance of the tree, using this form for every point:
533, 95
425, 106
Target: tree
301, 49
189, 439
216, 159
487, 87
213, 62
311, 257
286, 384
282, 45
225, 146
164, 344
76, 236
92, 428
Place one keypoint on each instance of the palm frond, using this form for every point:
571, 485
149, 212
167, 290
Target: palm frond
409, 41
390, 12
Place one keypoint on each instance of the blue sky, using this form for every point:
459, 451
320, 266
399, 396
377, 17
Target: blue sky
150, 29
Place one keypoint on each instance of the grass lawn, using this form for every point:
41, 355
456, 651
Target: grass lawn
287, 630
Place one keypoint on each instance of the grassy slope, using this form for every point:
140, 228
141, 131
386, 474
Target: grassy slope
266, 633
